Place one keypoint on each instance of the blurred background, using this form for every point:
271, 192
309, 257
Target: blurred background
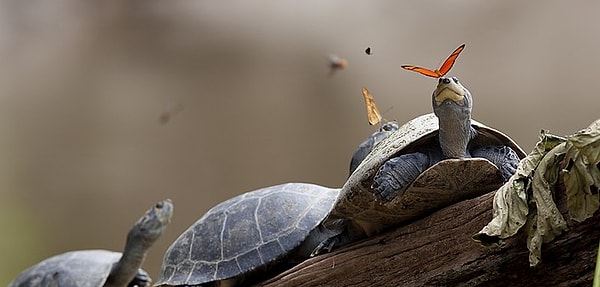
244, 92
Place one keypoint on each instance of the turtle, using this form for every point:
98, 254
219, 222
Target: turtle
431, 162
366, 146
250, 237
96, 268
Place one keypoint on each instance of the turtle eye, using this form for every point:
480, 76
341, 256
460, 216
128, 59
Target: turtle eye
159, 205
440, 80
455, 79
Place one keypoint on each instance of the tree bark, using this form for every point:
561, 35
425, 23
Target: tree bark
438, 251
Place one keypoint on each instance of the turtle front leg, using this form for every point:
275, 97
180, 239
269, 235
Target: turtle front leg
396, 174
326, 238
504, 157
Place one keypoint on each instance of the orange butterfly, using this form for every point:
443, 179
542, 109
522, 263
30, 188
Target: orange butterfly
443, 70
373, 114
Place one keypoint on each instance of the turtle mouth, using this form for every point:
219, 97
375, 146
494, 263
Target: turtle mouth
449, 91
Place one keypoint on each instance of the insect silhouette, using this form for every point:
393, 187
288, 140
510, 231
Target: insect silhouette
373, 114
170, 110
368, 51
336, 63
443, 70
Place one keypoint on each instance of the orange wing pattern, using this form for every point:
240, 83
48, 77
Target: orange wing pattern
373, 114
443, 70
423, 71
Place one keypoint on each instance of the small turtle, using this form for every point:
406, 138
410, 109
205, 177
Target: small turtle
365, 147
96, 268
428, 163
250, 236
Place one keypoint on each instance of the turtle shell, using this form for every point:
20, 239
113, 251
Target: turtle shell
246, 233
84, 268
443, 184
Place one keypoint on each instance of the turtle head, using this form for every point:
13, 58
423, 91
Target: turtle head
389, 127
450, 92
139, 239
452, 104
150, 226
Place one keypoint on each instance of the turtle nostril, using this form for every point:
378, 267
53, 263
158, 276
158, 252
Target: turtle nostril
446, 80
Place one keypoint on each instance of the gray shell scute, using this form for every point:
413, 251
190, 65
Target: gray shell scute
252, 258
235, 219
246, 232
227, 267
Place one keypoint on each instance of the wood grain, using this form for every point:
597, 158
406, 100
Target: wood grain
438, 251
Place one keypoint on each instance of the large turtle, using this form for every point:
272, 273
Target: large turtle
96, 268
250, 236
428, 163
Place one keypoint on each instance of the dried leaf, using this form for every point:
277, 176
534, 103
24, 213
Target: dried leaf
510, 205
581, 174
528, 197
547, 221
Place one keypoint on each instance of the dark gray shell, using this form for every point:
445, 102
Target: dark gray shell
245, 233
442, 184
85, 268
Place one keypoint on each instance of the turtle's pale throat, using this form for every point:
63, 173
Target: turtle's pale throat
447, 93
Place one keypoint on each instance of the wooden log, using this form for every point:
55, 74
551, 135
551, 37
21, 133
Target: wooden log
438, 251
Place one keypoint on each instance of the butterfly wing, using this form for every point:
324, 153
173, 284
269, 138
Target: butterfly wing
444, 69
422, 71
373, 114
447, 65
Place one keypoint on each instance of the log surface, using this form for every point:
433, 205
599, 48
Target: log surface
438, 251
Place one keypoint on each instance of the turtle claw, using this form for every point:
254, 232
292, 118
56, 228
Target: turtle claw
505, 158
325, 246
334, 235
141, 279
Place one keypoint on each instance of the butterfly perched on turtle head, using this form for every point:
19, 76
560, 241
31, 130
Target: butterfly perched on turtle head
443, 70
